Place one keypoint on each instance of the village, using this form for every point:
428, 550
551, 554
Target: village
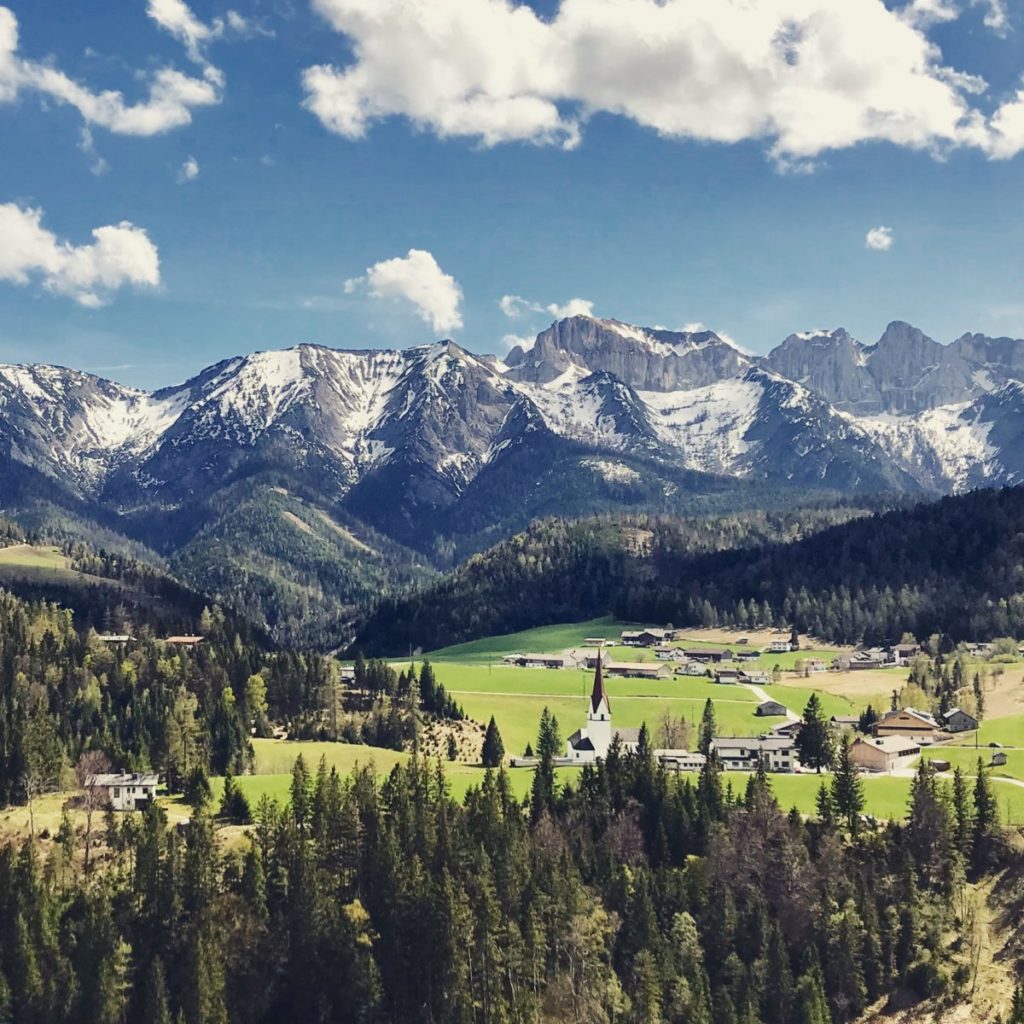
880, 742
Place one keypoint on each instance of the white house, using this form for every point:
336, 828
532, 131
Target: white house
591, 744
742, 753
779, 647
126, 792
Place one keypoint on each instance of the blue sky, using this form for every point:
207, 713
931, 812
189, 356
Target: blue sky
622, 191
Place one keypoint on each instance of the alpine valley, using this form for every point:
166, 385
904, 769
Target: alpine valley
274, 480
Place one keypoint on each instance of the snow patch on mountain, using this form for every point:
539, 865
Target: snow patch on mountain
947, 448
707, 425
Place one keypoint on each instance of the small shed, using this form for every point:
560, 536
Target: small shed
770, 708
998, 758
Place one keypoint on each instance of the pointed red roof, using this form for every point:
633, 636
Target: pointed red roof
599, 694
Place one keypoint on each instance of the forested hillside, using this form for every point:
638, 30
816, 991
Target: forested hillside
563, 570
632, 897
955, 566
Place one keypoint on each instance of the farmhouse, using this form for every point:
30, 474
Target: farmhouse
780, 647
666, 653
535, 660
742, 753
748, 655
115, 638
902, 653
691, 668
883, 753
630, 638
870, 659
758, 677
594, 641
906, 722
769, 708
727, 675
648, 637
680, 760
636, 670
130, 792
591, 743
813, 665
957, 720
840, 722
789, 729
709, 654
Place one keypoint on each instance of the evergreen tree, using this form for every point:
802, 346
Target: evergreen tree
814, 741
847, 788
493, 752
708, 728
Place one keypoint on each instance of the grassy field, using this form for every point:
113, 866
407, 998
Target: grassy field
1008, 731
966, 758
460, 678
25, 556
886, 795
543, 639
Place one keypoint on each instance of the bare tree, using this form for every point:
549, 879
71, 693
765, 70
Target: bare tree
91, 764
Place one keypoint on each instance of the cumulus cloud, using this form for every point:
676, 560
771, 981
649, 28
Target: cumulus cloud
417, 279
120, 254
997, 17
805, 76
188, 171
515, 307
879, 239
511, 341
574, 307
171, 98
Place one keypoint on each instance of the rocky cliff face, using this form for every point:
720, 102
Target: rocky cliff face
904, 373
646, 358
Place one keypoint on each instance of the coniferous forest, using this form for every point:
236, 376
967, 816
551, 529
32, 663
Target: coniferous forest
630, 897
951, 567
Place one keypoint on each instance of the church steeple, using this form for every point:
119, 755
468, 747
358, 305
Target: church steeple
599, 694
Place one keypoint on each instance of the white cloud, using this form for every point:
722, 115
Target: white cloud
516, 307
171, 98
997, 17
188, 171
120, 254
574, 307
417, 279
87, 145
805, 76
511, 341
879, 239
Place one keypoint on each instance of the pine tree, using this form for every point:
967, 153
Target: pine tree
814, 741
811, 1004
493, 752
708, 728
847, 788
157, 1009
986, 819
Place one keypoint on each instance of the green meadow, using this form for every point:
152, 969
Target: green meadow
886, 796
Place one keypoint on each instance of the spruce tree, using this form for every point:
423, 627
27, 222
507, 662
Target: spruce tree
814, 741
493, 752
847, 788
708, 728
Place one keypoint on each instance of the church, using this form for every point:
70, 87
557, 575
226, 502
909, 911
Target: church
591, 744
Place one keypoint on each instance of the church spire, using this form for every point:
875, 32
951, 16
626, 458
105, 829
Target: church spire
599, 693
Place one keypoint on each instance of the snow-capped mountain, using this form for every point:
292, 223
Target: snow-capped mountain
400, 438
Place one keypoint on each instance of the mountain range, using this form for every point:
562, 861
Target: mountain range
415, 457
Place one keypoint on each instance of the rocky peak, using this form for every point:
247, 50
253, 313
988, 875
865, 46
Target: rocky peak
651, 359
